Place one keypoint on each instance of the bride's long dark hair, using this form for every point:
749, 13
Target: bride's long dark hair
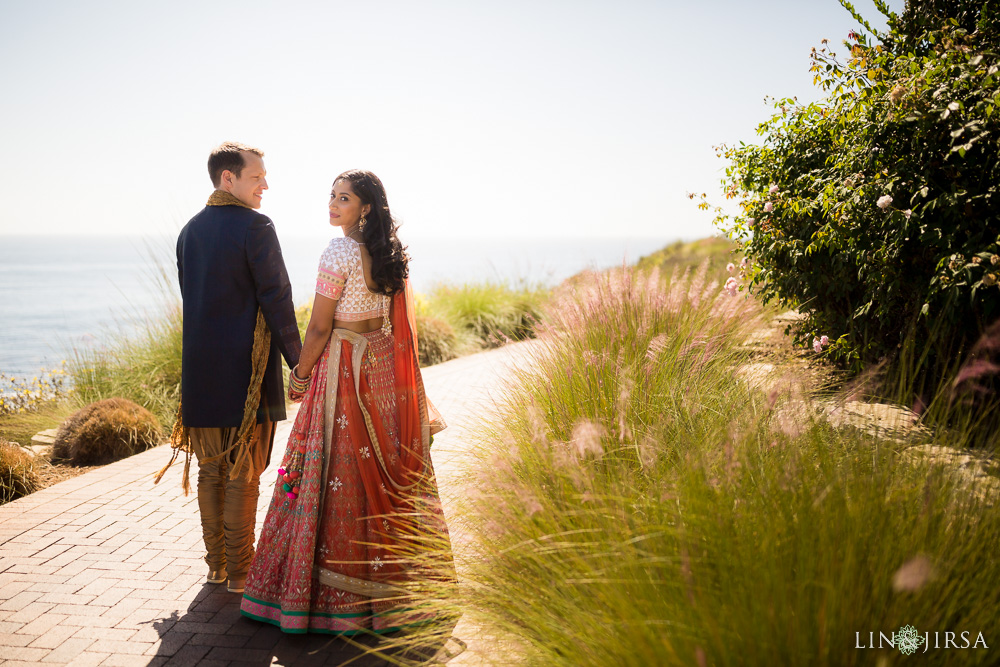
390, 263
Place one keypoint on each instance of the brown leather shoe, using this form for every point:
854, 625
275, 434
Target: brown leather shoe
217, 576
236, 585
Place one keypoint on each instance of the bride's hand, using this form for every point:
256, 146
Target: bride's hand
295, 396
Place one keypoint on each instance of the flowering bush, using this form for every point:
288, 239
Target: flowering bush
875, 211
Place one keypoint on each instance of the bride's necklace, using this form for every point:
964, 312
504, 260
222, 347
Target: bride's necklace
350, 234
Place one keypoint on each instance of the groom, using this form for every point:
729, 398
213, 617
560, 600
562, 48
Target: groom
238, 323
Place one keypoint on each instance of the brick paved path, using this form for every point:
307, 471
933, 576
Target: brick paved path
107, 569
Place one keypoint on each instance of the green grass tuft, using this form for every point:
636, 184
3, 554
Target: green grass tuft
144, 368
485, 315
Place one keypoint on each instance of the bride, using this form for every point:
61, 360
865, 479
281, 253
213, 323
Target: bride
356, 493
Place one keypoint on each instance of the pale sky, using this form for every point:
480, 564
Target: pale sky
483, 119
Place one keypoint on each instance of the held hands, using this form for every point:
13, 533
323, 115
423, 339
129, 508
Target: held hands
297, 386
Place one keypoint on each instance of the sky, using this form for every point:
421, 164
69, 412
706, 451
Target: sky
538, 118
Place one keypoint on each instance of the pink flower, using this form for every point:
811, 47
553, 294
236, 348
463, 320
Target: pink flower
907, 213
531, 505
768, 207
913, 574
818, 346
730, 267
774, 188
824, 340
743, 263
750, 222
884, 202
586, 438
732, 285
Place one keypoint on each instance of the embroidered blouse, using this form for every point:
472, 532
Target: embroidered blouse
342, 277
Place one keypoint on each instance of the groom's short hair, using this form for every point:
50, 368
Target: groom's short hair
228, 155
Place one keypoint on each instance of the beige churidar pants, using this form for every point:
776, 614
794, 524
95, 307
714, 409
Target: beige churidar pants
229, 506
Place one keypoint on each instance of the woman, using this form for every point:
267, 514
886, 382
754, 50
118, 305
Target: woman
356, 490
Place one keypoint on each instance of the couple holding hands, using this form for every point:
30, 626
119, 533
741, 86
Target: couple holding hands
356, 494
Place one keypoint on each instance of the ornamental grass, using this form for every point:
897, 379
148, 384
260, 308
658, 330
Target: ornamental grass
18, 474
638, 502
484, 315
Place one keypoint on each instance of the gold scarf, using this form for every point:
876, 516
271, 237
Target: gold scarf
180, 438
223, 198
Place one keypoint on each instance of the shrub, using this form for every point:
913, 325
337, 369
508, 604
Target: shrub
436, 340
875, 211
17, 472
106, 431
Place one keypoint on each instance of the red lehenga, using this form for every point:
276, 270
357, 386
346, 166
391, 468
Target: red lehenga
338, 557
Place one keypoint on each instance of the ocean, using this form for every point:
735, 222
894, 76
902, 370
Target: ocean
60, 294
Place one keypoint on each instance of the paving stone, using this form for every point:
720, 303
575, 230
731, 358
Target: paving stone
15, 639
108, 634
55, 636
88, 659
92, 621
118, 601
120, 660
29, 612
49, 587
42, 624
130, 647
227, 641
67, 598
68, 650
21, 600
25, 654
77, 610
14, 588
10, 627
188, 656
242, 654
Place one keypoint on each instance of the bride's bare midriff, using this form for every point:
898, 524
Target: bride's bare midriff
364, 326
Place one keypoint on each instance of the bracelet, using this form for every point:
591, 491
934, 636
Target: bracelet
297, 384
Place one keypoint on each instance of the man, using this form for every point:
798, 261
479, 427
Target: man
230, 269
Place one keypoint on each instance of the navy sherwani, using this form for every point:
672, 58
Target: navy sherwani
229, 264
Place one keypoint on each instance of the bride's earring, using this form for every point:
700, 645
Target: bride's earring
361, 225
